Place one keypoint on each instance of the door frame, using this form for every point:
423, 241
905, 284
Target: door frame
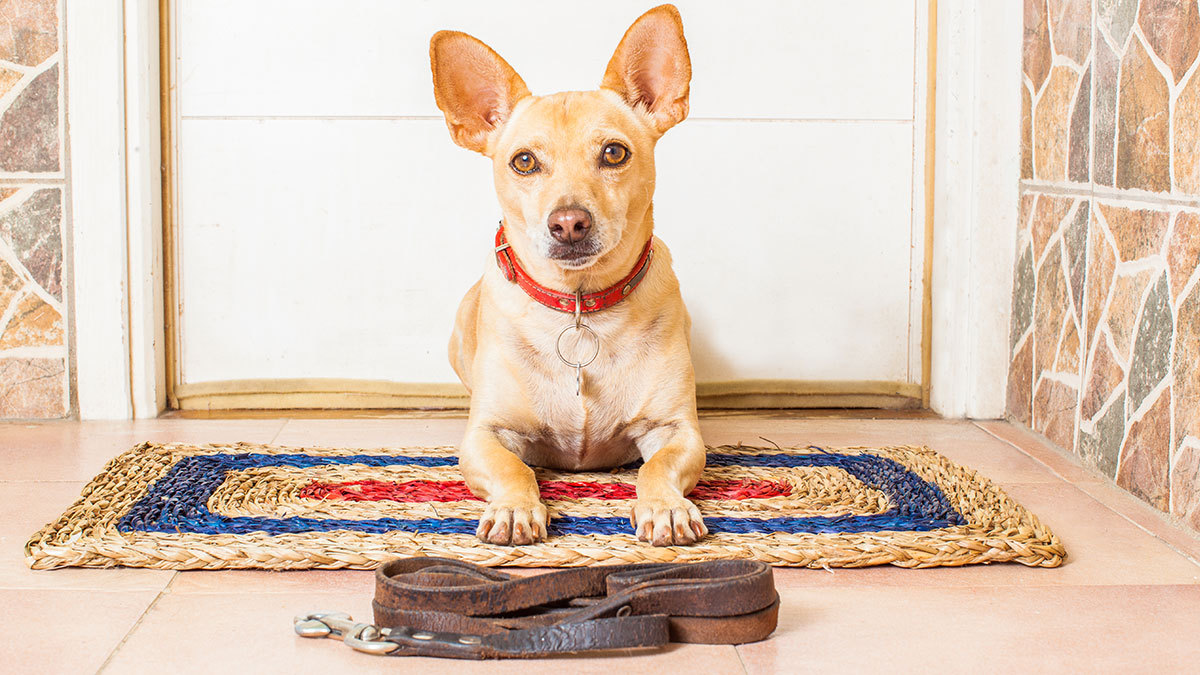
114, 207
120, 79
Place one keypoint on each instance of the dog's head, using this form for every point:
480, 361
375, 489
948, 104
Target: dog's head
574, 171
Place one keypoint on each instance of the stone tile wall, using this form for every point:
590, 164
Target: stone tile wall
1106, 297
34, 378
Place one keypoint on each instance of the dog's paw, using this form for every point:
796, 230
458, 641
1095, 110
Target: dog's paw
667, 521
513, 524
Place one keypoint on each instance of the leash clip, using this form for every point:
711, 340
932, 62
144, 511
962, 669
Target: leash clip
362, 637
371, 639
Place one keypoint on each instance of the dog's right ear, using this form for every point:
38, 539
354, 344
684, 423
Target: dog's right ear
651, 68
475, 89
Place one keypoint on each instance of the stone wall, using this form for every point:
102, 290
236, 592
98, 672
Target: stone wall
34, 378
1106, 302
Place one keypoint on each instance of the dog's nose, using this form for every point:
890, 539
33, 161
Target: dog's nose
571, 225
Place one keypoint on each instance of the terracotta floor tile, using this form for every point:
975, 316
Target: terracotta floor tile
265, 581
252, 632
960, 442
372, 433
1181, 537
996, 461
1065, 466
1103, 548
79, 450
1025, 629
839, 431
66, 631
1009, 617
27, 506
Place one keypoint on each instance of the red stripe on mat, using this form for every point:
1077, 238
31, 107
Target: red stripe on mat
456, 490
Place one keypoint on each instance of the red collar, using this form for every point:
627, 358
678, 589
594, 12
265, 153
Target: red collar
565, 302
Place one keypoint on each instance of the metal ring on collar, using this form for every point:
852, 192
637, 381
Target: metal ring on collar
558, 345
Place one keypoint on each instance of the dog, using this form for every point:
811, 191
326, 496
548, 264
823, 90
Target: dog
574, 345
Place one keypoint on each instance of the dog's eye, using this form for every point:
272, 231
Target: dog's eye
614, 154
524, 163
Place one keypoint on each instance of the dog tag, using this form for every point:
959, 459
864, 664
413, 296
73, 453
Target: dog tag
580, 328
578, 365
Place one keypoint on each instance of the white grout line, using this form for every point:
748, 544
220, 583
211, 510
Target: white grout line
1109, 237
1151, 263
1055, 237
9, 257
17, 199
1061, 60
1093, 54
1066, 379
35, 352
7, 313
29, 75
37, 179
16, 67
1136, 415
1026, 336
1188, 285
1111, 343
1109, 194
742, 662
136, 624
283, 424
1088, 426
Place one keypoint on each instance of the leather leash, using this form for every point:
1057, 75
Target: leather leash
449, 608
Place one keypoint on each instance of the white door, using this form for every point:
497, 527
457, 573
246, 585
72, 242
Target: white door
325, 226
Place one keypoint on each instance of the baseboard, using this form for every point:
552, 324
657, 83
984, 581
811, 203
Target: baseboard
334, 393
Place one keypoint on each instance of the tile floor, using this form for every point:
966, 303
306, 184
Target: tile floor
1127, 599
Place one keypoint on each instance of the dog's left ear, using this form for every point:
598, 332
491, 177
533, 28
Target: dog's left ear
651, 68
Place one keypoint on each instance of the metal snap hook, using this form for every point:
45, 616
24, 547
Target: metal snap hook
363, 637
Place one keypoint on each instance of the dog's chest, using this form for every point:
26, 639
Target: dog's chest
591, 421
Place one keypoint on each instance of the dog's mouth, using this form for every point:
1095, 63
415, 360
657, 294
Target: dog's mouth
576, 255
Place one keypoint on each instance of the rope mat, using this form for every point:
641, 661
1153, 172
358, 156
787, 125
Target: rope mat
178, 506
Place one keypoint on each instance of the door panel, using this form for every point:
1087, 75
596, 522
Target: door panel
774, 59
325, 225
326, 248
783, 275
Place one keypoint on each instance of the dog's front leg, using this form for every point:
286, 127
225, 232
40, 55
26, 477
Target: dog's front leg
514, 513
662, 514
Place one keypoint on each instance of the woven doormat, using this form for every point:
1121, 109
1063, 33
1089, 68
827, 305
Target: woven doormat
180, 506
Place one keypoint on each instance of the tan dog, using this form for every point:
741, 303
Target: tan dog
574, 173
